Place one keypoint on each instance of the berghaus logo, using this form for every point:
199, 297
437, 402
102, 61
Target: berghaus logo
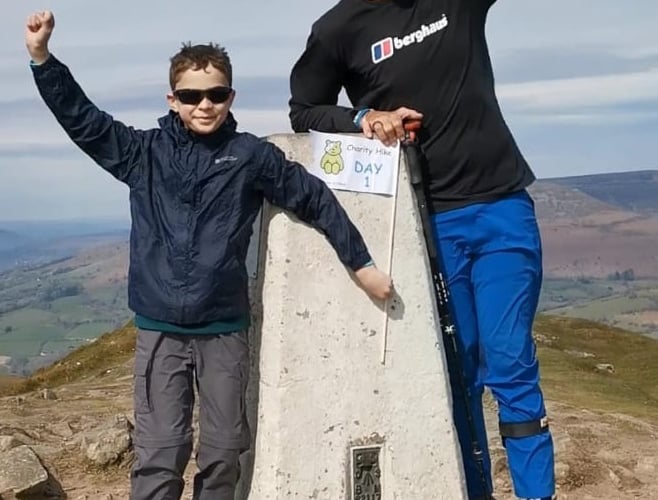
386, 47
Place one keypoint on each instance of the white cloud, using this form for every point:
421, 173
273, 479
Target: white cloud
582, 92
603, 118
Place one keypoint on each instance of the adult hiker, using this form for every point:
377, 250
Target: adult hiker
428, 59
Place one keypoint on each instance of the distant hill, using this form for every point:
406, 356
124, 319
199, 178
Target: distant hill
592, 226
48, 309
42, 230
10, 240
555, 201
600, 235
636, 191
27, 244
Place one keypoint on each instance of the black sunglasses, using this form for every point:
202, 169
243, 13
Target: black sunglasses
216, 95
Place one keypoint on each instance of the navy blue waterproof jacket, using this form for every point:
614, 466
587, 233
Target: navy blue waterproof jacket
193, 202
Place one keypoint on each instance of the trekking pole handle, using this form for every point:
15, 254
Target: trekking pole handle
411, 128
412, 149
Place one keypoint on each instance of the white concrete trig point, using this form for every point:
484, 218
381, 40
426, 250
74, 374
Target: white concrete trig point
333, 422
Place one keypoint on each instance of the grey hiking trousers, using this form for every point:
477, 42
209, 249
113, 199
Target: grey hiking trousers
166, 367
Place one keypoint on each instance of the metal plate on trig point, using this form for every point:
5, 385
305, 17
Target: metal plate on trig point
366, 473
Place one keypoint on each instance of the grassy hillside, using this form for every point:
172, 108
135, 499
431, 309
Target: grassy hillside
570, 350
9, 384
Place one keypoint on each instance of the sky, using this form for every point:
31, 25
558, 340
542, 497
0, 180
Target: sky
577, 82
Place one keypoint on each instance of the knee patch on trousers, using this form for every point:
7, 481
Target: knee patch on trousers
517, 430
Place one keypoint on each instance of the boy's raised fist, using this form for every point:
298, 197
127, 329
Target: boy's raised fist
38, 29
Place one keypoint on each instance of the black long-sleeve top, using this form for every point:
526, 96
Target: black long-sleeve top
429, 55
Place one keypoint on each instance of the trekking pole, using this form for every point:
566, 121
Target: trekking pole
448, 327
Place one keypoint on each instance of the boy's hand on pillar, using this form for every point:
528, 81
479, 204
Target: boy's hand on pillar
38, 29
375, 282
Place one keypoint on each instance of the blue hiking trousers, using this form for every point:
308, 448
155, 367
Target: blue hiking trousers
491, 256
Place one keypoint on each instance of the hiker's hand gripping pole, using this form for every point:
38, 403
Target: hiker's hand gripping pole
410, 144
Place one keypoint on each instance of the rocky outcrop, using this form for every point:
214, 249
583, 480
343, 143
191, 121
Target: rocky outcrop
108, 444
21, 472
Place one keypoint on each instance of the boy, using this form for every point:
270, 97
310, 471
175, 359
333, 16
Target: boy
196, 186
